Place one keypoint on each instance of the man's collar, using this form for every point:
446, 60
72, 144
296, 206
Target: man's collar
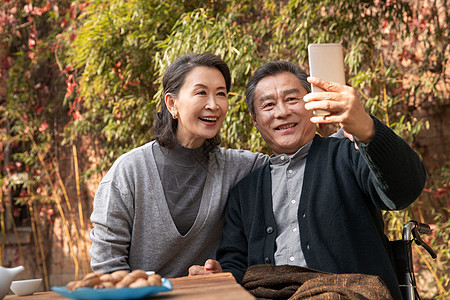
282, 158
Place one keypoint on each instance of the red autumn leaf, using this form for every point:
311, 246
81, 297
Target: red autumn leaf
76, 115
37, 11
441, 192
38, 109
28, 8
43, 127
31, 43
69, 90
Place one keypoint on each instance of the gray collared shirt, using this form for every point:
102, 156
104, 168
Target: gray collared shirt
287, 180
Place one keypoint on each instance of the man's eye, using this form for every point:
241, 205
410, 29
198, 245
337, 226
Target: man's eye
267, 105
292, 99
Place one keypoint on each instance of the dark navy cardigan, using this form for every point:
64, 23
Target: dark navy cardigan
340, 221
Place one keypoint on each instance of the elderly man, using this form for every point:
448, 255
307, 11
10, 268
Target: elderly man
318, 202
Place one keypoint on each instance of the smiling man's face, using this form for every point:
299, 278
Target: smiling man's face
280, 113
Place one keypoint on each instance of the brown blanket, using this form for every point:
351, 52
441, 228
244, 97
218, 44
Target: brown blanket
292, 282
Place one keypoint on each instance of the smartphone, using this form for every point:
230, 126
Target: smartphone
326, 61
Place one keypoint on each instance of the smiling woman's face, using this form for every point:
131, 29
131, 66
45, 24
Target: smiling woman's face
201, 106
280, 113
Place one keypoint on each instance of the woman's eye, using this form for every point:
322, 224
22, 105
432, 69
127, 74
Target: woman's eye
201, 93
223, 94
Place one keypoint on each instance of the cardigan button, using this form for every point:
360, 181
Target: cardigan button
269, 230
267, 260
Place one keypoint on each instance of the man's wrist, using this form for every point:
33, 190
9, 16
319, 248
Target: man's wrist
367, 132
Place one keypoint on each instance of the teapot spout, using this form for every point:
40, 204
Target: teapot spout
14, 271
6, 276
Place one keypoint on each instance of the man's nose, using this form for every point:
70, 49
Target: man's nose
281, 111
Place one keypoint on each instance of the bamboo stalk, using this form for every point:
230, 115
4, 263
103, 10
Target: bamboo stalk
41, 248
430, 268
80, 210
16, 233
6, 159
69, 238
384, 93
59, 206
33, 228
398, 224
3, 226
71, 214
57, 197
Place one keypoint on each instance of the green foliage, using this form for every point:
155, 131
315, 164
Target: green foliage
197, 32
114, 49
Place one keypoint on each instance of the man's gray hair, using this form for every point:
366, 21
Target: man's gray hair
273, 68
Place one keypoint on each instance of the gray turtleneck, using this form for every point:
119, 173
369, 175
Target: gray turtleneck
183, 175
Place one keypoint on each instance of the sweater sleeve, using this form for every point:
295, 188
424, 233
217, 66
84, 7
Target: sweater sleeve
233, 249
240, 163
111, 234
396, 171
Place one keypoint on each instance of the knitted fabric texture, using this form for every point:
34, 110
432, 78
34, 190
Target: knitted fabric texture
293, 282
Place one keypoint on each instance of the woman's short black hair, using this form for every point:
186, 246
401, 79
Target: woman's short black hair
165, 127
273, 68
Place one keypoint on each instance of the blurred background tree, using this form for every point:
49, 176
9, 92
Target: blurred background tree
80, 83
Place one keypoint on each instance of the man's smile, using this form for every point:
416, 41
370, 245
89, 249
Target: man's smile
286, 126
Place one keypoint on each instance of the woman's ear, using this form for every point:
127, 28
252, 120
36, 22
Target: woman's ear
170, 104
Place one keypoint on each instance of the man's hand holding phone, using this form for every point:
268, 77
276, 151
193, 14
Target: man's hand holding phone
344, 106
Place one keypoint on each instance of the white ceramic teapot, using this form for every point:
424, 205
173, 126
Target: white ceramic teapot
6, 276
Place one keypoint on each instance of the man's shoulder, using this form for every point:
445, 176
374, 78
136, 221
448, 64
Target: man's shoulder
254, 177
239, 156
330, 143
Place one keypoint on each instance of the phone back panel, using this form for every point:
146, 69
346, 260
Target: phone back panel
326, 61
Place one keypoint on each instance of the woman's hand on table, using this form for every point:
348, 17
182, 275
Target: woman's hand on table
211, 266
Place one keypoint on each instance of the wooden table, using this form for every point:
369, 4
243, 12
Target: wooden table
221, 286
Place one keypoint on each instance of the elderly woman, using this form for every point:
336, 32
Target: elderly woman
161, 206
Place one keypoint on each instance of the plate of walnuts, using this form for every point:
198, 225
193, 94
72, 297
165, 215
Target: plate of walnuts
119, 285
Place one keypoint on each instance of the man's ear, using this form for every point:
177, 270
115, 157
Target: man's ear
170, 104
254, 121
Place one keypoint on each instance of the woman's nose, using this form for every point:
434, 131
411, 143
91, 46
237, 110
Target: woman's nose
212, 103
